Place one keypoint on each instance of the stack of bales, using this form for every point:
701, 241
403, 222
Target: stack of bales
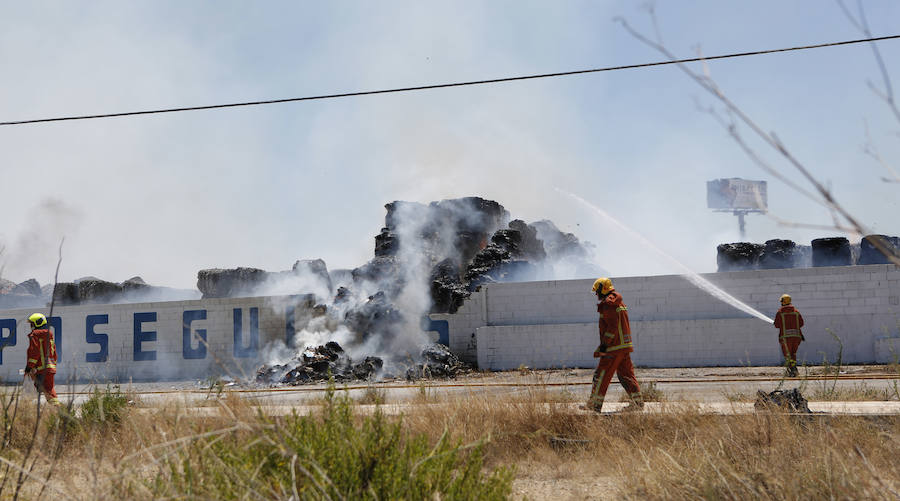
781, 254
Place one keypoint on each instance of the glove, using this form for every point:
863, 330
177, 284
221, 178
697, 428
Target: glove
600, 351
802, 337
27, 370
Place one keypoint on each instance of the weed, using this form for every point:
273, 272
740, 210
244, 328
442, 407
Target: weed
107, 406
829, 368
372, 395
650, 392
333, 455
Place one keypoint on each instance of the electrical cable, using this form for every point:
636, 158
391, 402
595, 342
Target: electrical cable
447, 85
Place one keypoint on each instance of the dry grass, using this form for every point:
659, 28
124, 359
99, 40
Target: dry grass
680, 455
858, 392
684, 455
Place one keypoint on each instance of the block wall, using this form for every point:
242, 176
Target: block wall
141, 341
852, 310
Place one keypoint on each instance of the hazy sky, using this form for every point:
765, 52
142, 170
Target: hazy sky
164, 196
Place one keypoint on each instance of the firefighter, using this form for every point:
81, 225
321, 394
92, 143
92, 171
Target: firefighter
41, 358
615, 348
788, 321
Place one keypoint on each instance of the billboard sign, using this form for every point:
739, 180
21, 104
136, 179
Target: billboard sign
736, 193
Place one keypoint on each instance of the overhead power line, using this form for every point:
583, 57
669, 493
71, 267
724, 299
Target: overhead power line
455, 84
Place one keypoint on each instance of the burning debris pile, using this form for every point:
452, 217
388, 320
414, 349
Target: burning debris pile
787, 400
438, 362
328, 361
427, 259
463, 243
320, 364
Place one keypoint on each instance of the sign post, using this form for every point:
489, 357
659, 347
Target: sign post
738, 196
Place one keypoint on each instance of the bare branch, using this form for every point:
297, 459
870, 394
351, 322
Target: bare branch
862, 24
870, 149
769, 138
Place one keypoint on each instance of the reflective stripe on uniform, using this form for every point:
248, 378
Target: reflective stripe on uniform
790, 332
45, 364
621, 308
619, 346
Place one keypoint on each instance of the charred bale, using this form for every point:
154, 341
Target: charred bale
876, 249
464, 224
98, 291
217, 282
134, 284
437, 362
833, 251
485, 261
386, 243
498, 261
377, 317
786, 400
777, 254
447, 290
342, 295
368, 369
738, 256
530, 247
65, 294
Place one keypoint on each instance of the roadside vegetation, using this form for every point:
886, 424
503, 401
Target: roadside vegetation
460, 446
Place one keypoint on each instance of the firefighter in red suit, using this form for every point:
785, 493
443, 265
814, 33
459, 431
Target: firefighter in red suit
788, 321
615, 348
41, 358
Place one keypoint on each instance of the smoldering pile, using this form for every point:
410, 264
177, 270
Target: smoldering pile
319, 364
331, 362
428, 258
787, 400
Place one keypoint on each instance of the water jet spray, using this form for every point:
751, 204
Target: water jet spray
686, 272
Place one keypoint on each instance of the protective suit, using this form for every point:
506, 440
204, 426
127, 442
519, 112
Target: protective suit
41, 361
615, 348
788, 321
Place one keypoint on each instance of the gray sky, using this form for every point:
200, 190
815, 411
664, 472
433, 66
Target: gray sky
164, 196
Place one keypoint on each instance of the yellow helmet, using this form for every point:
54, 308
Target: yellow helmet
785, 299
38, 319
604, 285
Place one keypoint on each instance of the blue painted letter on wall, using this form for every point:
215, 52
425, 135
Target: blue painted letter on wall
92, 337
186, 350
241, 351
141, 336
56, 325
8, 325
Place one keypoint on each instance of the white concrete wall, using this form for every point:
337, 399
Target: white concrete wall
675, 324
131, 353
